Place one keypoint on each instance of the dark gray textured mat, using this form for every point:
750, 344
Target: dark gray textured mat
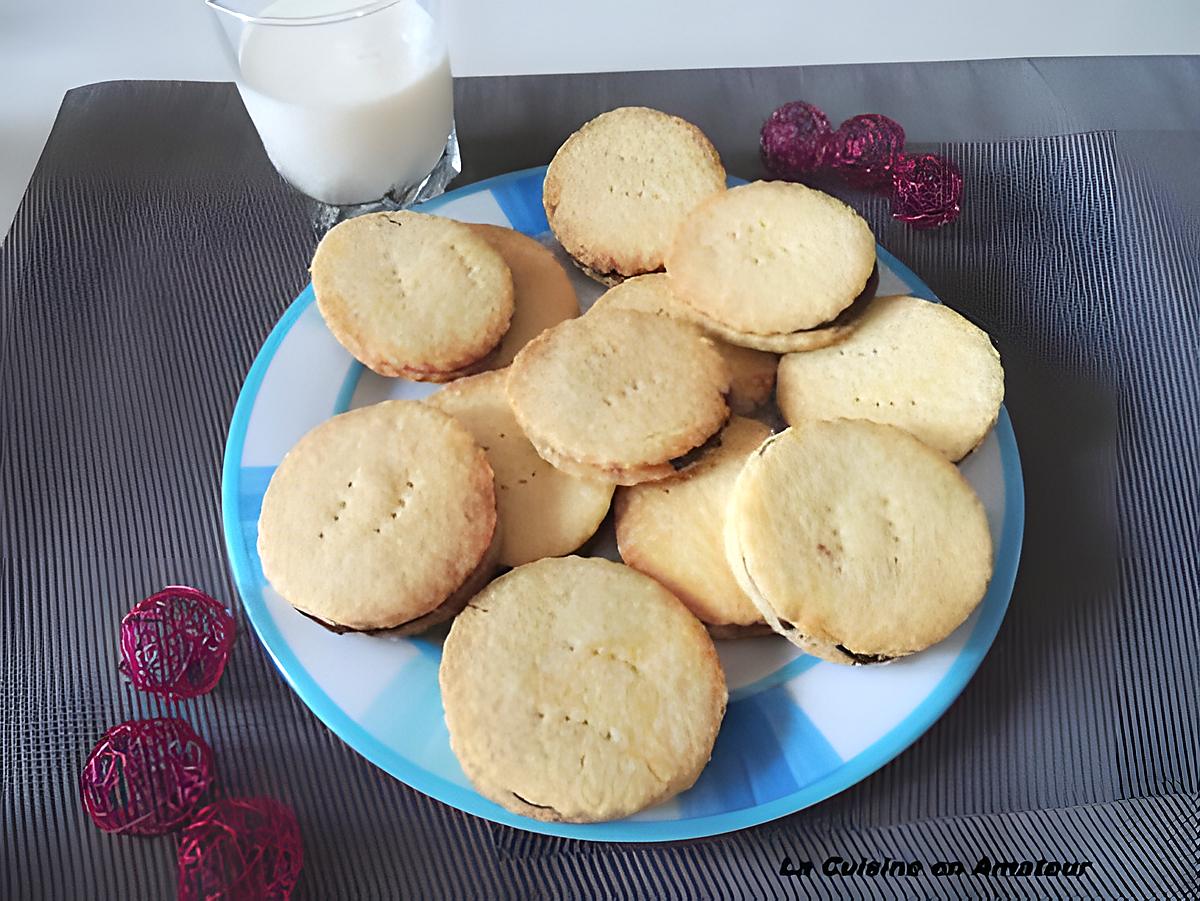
154, 250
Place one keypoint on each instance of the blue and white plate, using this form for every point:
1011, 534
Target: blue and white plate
797, 730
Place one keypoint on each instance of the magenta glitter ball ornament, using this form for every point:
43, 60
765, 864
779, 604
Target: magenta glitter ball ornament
146, 777
926, 190
864, 149
793, 139
176, 643
240, 849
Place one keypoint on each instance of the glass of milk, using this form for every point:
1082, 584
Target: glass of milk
353, 100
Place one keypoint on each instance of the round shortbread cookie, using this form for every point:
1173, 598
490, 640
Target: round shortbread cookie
542, 291
412, 295
751, 372
771, 258
674, 529
624, 397
543, 511
579, 690
618, 188
910, 363
856, 541
377, 516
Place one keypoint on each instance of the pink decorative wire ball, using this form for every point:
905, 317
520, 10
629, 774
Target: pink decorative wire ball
146, 777
240, 849
176, 643
864, 149
793, 139
926, 190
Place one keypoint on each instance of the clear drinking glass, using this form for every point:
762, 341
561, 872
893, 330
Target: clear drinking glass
353, 100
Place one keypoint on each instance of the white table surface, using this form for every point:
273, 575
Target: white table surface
49, 46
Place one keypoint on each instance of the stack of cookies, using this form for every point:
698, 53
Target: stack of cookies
579, 689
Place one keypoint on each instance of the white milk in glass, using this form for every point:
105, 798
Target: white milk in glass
348, 110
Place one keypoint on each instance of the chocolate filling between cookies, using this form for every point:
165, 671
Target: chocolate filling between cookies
856, 658
683, 461
853, 310
864, 659
612, 277
397, 629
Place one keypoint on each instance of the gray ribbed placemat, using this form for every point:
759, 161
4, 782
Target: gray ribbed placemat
154, 250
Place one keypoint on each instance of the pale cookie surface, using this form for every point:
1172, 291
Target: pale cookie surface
751, 372
619, 396
618, 188
674, 529
771, 258
542, 291
856, 541
910, 363
412, 295
377, 516
579, 690
543, 511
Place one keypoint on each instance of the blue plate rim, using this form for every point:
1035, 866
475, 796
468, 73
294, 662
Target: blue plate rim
848, 774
